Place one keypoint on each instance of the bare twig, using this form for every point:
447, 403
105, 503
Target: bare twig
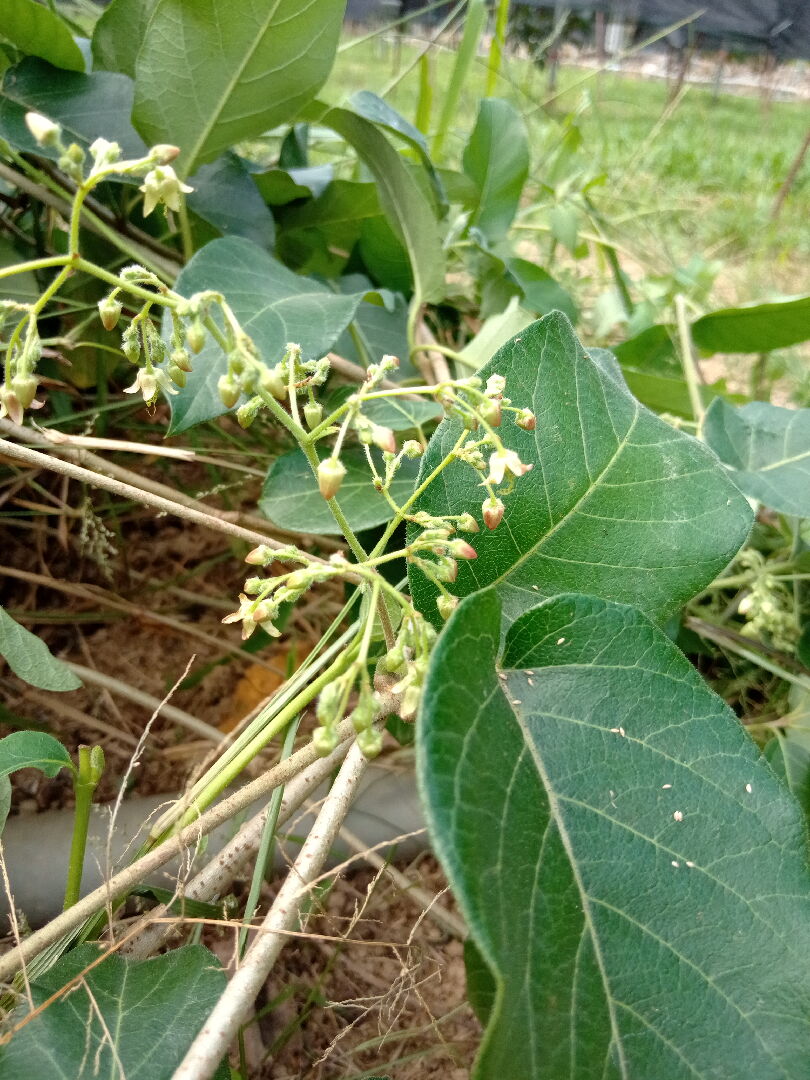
234, 1007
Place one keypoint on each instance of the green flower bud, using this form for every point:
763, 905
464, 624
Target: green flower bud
467, 523
177, 375
273, 381
363, 714
181, 359
490, 412
446, 605
229, 391
25, 388
313, 414
325, 740
330, 476
195, 336
370, 742
412, 449
110, 312
247, 413
131, 344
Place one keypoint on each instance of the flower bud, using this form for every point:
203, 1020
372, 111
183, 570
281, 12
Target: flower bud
45, 131
110, 312
313, 414
493, 512
177, 375
467, 523
446, 569
330, 476
131, 344
496, 384
25, 388
412, 449
462, 550
370, 742
195, 336
105, 152
181, 359
260, 556
164, 153
229, 391
410, 702
247, 413
325, 740
446, 605
526, 419
272, 380
10, 405
384, 438
363, 714
490, 412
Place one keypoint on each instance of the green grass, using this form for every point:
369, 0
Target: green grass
700, 182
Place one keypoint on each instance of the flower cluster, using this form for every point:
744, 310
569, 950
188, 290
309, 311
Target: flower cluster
768, 605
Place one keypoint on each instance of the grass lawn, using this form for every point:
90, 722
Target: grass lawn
701, 180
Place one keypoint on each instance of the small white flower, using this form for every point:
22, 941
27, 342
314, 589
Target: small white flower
162, 185
148, 383
45, 131
503, 461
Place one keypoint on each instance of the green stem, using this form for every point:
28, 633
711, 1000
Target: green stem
33, 265
687, 359
356, 547
496, 49
185, 231
91, 766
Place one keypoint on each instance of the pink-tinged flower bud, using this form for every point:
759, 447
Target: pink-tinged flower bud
260, 556
229, 391
493, 512
164, 153
526, 419
467, 523
110, 312
195, 336
330, 476
10, 405
446, 605
490, 412
384, 438
462, 550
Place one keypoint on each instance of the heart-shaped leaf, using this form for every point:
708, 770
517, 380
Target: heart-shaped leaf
208, 75
767, 449
618, 503
38, 30
630, 868
123, 1019
290, 496
274, 305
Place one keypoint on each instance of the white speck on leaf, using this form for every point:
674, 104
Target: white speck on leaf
618, 731
665, 786
748, 788
560, 640
678, 815
675, 863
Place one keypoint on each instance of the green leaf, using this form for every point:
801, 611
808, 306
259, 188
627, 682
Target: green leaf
402, 414
317, 237
408, 210
564, 222
274, 306
226, 197
541, 293
758, 328
496, 157
495, 332
208, 75
5, 801
651, 350
86, 106
788, 755
618, 502
767, 449
627, 863
281, 186
33, 750
38, 31
30, 658
384, 255
291, 500
139, 1022
118, 34
378, 331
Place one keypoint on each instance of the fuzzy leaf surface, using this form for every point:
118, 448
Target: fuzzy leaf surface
629, 866
767, 449
618, 503
30, 658
152, 1011
208, 75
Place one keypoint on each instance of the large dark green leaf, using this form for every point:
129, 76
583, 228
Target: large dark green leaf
123, 1019
30, 658
36, 30
409, 211
618, 503
290, 496
118, 34
496, 158
226, 196
87, 106
767, 449
758, 328
630, 868
208, 74
317, 237
274, 306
